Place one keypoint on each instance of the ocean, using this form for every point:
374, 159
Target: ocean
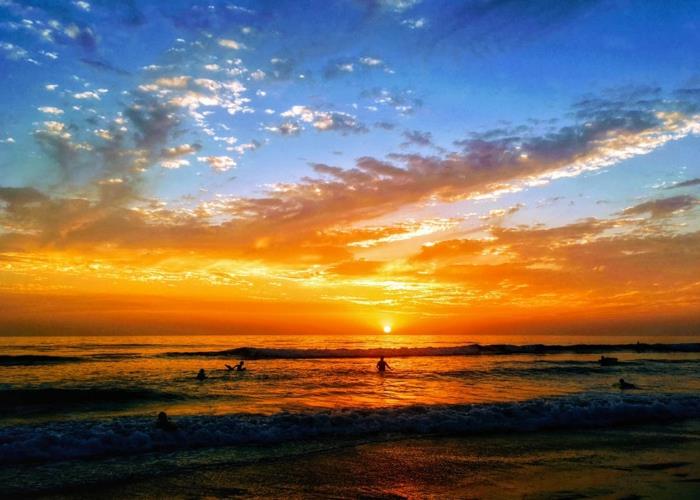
69, 403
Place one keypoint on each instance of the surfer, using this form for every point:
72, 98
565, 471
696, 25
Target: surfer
626, 385
238, 368
201, 375
382, 365
164, 424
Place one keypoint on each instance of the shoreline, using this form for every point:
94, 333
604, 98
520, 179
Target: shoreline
660, 461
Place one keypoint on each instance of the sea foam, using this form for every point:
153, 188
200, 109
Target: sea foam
58, 441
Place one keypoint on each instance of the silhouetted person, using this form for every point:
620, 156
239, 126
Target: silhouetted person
383, 365
238, 368
201, 375
164, 424
607, 361
626, 385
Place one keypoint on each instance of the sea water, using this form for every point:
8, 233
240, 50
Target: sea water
64, 400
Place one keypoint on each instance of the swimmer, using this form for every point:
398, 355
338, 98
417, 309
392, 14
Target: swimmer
625, 385
383, 365
201, 375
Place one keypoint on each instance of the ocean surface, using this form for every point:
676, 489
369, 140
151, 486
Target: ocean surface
66, 402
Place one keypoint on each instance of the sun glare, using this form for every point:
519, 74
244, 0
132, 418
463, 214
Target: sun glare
387, 328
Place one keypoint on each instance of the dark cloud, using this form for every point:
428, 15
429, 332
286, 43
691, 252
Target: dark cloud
105, 66
417, 138
688, 183
154, 121
385, 125
21, 195
663, 207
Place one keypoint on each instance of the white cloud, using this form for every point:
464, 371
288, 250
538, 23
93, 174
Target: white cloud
87, 95
81, 4
218, 163
230, 44
174, 164
415, 24
50, 110
258, 74
370, 61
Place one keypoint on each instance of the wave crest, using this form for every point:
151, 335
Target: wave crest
85, 439
465, 350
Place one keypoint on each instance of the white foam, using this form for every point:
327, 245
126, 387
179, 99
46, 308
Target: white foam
84, 439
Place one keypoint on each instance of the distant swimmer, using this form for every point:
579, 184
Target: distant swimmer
607, 361
625, 385
383, 365
164, 423
201, 375
238, 368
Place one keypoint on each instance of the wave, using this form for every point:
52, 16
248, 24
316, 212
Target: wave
35, 359
466, 350
42, 359
58, 441
53, 399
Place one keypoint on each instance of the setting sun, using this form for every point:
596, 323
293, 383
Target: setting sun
387, 328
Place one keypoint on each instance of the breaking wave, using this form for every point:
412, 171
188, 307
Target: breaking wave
35, 359
465, 350
135, 435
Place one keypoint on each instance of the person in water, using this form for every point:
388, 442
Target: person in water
626, 385
201, 375
383, 365
238, 368
164, 424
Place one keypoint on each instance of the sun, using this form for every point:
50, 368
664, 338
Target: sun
387, 328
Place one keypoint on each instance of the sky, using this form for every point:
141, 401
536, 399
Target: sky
340, 166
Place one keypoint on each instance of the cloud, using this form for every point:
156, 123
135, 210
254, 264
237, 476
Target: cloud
683, 184
154, 121
417, 138
181, 150
323, 121
88, 94
230, 44
15, 196
448, 249
50, 110
345, 66
174, 164
218, 163
105, 66
663, 207
300, 220
404, 101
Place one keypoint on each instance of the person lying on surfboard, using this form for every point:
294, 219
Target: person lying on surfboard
238, 368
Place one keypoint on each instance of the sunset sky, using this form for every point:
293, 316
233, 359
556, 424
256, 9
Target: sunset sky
270, 166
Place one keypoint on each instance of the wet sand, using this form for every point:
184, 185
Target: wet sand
626, 463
